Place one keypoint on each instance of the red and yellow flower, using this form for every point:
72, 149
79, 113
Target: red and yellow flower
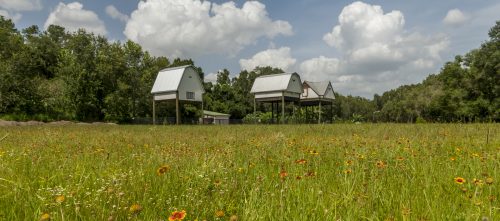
162, 170
460, 180
381, 164
177, 215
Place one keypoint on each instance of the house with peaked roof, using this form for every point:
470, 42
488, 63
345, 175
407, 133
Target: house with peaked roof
177, 84
277, 89
316, 94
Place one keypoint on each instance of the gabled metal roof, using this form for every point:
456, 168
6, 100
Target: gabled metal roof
168, 79
273, 82
318, 87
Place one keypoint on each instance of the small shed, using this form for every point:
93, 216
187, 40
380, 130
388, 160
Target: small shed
316, 94
211, 117
277, 88
180, 84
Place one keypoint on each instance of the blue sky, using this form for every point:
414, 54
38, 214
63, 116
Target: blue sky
362, 47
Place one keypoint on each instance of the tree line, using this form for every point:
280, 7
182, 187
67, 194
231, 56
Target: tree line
59, 75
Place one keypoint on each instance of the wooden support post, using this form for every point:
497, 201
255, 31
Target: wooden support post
177, 113
331, 112
254, 106
202, 109
283, 108
319, 112
154, 111
300, 111
272, 111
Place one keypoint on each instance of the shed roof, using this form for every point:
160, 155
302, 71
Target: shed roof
212, 113
168, 79
318, 87
273, 82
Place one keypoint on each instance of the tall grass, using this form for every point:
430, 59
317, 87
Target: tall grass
252, 172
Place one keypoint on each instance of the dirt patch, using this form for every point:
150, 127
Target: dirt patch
8, 123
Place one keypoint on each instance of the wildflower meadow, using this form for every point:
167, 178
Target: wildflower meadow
251, 172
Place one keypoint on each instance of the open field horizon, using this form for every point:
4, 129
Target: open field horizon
251, 172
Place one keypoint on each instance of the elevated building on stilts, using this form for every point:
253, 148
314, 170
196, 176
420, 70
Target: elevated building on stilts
317, 94
277, 89
179, 84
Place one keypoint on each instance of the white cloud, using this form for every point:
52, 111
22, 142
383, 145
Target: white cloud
360, 24
188, 28
21, 5
455, 17
14, 17
279, 58
73, 17
377, 52
211, 77
320, 68
115, 14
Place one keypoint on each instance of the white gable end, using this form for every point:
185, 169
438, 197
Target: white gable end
329, 92
190, 87
295, 84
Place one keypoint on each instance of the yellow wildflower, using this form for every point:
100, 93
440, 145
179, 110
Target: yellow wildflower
135, 209
60, 199
45, 217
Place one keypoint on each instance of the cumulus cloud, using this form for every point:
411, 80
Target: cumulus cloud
320, 68
188, 28
211, 77
10, 8
72, 16
455, 17
14, 17
113, 12
21, 5
279, 58
360, 24
377, 52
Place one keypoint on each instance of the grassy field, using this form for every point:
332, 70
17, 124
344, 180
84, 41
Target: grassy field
251, 172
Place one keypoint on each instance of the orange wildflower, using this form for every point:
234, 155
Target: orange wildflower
301, 161
283, 174
177, 215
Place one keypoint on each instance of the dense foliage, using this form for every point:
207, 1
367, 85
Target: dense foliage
53, 74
